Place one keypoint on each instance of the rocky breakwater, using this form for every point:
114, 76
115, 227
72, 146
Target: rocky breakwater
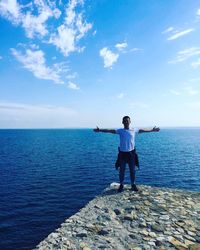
153, 218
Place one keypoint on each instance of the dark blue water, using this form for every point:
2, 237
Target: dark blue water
48, 175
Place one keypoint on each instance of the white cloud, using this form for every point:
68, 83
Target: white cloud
196, 64
109, 57
11, 10
168, 30
198, 12
32, 46
135, 49
174, 92
72, 85
34, 17
190, 91
179, 34
64, 40
194, 105
121, 46
186, 54
34, 61
196, 79
139, 105
121, 95
71, 31
35, 25
82, 26
187, 90
70, 11
23, 15
16, 115
72, 76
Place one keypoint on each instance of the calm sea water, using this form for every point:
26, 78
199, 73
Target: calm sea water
48, 175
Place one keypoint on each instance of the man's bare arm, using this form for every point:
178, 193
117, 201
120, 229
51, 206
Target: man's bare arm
105, 130
145, 130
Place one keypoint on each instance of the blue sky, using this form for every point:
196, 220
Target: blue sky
83, 63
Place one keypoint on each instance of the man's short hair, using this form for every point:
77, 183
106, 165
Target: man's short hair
126, 117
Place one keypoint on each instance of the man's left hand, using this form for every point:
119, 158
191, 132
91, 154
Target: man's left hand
156, 129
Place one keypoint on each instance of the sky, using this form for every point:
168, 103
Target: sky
85, 63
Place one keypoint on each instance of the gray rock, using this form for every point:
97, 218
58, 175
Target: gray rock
103, 231
157, 228
117, 211
153, 218
82, 234
197, 238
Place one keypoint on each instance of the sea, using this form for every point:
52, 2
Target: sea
47, 175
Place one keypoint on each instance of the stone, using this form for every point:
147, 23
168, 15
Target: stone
163, 248
133, 247
142, 224
191, 233
103, 231
97, 206
157, 228
193, 229
82, 244
128, 217
158, 243
189, 237
147, 203
169, 233
117, 211
176, 242
152, 234
153, 218
164, 217
197, 239
144, 232
180, 230
146, 247
178, 237
82, 234
180, 224
146, 238
86, 248
188, 242
161, 238
134, 215
151, 243
195, 246
190, 223
132, 236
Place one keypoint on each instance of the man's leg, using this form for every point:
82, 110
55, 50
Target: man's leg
121, 175
132, 173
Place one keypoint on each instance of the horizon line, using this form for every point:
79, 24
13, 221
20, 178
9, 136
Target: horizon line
164, 127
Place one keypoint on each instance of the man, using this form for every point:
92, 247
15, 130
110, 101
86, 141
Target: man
127, 149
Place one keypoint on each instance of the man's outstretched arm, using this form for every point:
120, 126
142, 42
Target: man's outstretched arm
105, 130
144, 130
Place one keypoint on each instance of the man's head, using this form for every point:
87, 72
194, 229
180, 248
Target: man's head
126, 120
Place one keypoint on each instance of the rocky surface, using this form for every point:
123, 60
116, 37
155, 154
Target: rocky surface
153, 218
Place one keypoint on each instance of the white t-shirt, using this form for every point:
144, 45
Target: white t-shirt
127, 138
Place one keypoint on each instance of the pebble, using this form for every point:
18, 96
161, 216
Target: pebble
153, 218
152, 234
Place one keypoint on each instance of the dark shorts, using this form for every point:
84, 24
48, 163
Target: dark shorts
127, 157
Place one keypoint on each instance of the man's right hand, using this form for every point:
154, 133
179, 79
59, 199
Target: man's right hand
96, 129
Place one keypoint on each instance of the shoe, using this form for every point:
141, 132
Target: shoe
120, 188
134, 188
